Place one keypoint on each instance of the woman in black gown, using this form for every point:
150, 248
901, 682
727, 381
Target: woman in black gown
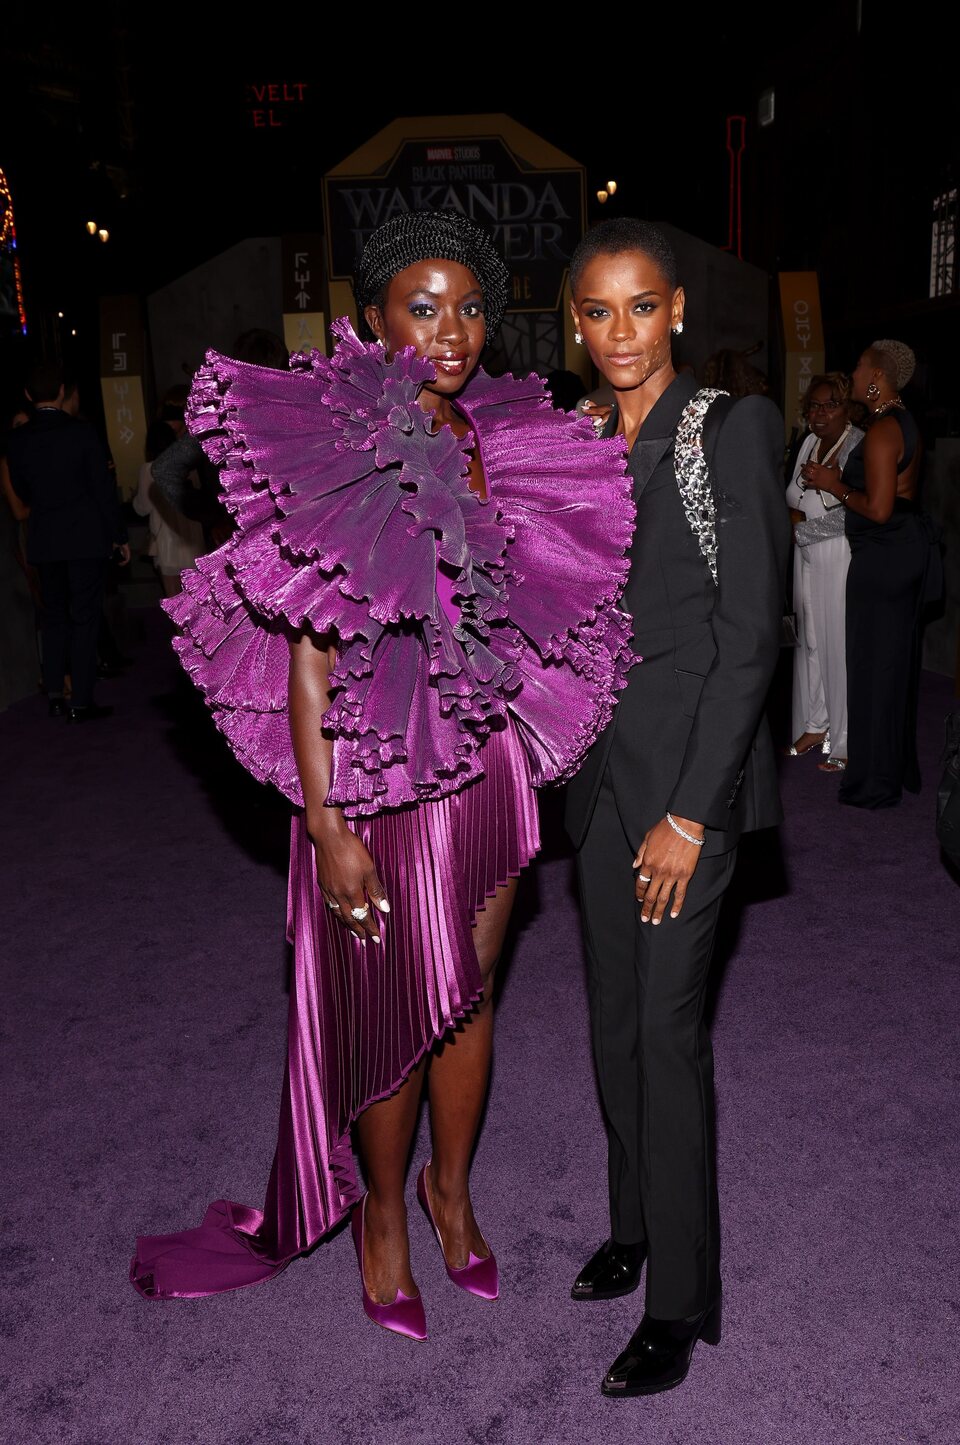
891, 554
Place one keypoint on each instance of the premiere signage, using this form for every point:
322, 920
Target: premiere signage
534, 213
304, 321
121, 383
802, 339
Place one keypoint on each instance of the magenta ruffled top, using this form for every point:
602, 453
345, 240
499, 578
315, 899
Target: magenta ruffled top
348, 510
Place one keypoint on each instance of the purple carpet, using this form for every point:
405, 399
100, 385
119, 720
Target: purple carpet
143, 1037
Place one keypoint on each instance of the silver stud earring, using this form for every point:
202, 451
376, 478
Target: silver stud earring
578, 338
678, 329
873, 391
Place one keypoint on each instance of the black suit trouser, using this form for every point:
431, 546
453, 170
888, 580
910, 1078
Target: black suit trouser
655, 1062
71, 594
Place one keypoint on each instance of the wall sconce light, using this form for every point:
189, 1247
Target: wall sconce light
103, 234
601, 197
92, 227
611, 188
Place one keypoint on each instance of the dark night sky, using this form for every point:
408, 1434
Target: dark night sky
842, 181
202, 175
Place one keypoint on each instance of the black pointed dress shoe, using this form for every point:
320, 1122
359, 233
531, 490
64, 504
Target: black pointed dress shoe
613, 1271
57, 707
91, 713
658, 1355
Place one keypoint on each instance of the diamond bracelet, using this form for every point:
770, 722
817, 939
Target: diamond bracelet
698, 842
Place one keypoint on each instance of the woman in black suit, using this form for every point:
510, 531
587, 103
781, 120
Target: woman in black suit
686, 765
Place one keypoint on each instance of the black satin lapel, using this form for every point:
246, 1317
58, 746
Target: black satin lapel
644, 456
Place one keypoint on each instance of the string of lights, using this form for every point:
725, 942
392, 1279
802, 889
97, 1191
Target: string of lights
8, 248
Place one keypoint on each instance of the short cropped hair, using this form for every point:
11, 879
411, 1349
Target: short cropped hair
43, 382
620, 234
895, 359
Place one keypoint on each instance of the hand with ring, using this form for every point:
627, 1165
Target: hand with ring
664, 866
348, 879
822, 478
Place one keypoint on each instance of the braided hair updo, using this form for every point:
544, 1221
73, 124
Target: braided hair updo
424, 236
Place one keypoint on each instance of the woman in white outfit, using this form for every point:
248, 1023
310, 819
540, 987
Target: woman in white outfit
820, 576
175, 541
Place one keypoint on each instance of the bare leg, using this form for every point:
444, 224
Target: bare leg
459, 1074
385, 1133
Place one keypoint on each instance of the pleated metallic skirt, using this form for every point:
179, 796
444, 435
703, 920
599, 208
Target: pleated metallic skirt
361, 1018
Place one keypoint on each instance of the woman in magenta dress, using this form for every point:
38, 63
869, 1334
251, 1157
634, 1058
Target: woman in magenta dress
413, 626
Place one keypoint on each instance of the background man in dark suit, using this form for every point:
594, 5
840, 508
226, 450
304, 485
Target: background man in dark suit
684, 768
59, 469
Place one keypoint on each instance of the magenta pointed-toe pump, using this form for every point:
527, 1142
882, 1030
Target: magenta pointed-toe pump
405, 1316
478, 1276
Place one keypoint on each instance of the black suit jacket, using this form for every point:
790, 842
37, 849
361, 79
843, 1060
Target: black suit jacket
59, 468
689, 733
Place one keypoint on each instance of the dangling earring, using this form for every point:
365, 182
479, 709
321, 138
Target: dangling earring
677, 330
578, 338
381, 342
873, 391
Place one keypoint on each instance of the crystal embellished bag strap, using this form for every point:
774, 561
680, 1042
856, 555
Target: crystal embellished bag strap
692, 464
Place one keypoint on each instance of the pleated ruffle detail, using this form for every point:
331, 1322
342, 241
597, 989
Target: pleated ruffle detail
346, 504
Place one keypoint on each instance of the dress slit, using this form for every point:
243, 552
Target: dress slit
361, 1019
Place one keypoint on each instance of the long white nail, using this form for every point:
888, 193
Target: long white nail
383, 905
